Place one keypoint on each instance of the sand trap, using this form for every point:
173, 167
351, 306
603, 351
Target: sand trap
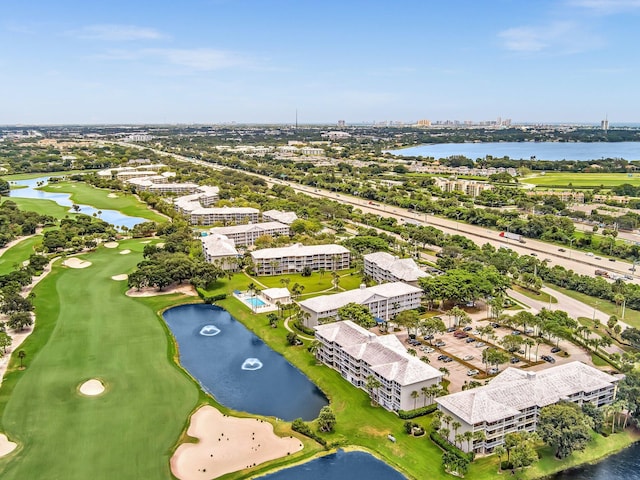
92, 387
111, 244
227, 444
119, 278
186, 289
112, 195
74, 262
160, 245
6, 447
125, 252
146, 241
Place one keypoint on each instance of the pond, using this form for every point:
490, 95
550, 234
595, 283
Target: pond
238, 368
339, 466
113, 217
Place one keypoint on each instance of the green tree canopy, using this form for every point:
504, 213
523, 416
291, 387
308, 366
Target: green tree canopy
565, 428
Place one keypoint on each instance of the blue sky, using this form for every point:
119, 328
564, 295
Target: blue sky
256, 61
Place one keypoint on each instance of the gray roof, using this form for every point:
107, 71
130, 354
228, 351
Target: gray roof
280, 216
359, 296
299, 250
402, 268
218, 245
385, 355
515, 390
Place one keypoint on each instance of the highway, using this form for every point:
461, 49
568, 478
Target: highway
571, 259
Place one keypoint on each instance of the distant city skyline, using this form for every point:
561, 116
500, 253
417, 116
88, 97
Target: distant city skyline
261, 61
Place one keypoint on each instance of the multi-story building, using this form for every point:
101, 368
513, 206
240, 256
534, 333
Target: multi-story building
513, 400
312, 151
468, 187
220, 249
246, 234
383, 301
565, 196
276, 261
384, 267
226, 215
279, 216
359, 354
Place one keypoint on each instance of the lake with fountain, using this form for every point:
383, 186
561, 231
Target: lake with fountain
30, 190
238, 368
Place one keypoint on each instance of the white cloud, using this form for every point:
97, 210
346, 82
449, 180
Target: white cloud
201, 59
116, 33
606, 6
556, 38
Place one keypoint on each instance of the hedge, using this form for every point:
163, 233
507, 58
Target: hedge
448, 447
303, 329
299, 426
418, 412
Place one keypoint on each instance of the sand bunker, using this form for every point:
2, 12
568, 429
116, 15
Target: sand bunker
6, 447
185, 289
227, 444
112, 195
92, 387
160, 245
146, 241
111, 244
125, 252
74, 262
119, 278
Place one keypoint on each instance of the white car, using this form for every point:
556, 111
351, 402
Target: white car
473, 372
466, 358
428, 350
589, 254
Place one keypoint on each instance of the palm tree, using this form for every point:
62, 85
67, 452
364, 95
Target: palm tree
447, 419
478, 437
415, 396
444, 371
373, 384
468, 436
425, 394
500, 452
455, 425
21, 355
459, 437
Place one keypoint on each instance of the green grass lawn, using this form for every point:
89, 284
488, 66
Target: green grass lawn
582, 179
87, 328
84, 193
17, 254
315, 285
541, 297
42, 207
632, 317
29, 176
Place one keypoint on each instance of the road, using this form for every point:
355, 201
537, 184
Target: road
570, 259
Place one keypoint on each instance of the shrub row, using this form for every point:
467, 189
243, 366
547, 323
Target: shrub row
299, 426
418, 412
306, 330
448, 447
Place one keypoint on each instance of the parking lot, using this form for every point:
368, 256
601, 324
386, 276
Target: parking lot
464, 355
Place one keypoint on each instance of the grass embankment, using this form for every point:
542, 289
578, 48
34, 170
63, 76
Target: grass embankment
541, 296
316, 284
632, 317
86, 328
83, 193
13, 257
42, 207
586, 180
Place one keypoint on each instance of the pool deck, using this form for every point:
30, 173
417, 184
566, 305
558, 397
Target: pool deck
246, 298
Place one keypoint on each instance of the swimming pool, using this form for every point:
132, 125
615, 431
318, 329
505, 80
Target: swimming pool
254, 302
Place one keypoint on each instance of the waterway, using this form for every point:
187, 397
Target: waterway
113, 217
527, 150
339, 466
238, 368
621, 466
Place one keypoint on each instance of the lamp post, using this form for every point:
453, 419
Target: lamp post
458, 220
571, 240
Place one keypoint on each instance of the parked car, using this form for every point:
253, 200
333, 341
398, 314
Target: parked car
515, 332
441, 357
528, 330
448, 360
561, 250
428, 350
473, 372
460, 334
628, 277
480, 344
470, 340
612, 259
533, 254
514, 360
467, 329
466, 358
556, 350
493, 371
597, 258
589, 254
428, 337
440, 343
451, 329
495, 325
548, 358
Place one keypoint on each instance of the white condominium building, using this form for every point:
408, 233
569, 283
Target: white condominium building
384, 301
279, 216
384, 267
359, 354
276, 261
220, 249
211, 215
247, 234
204, 196
512, 401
